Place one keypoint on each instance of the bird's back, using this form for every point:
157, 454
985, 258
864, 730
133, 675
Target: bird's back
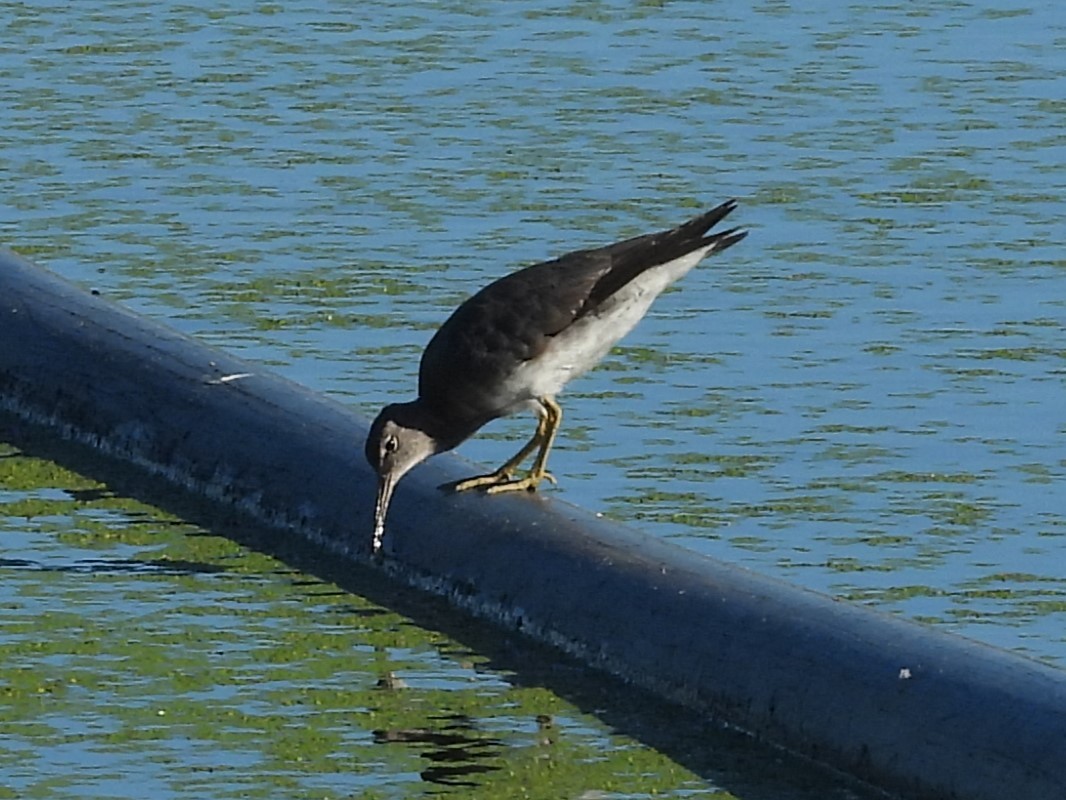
471, 362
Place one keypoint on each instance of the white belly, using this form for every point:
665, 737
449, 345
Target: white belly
581, 346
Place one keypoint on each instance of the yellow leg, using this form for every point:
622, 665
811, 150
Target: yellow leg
550, 416
506, 471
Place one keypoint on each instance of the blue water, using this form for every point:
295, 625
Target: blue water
864, 397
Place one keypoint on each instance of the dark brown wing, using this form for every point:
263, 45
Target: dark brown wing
513, 319
506, 323
633, 256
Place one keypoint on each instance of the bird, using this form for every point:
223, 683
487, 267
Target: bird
517, 342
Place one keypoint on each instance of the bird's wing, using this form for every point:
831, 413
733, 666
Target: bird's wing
514, 319
508, 322
634, 256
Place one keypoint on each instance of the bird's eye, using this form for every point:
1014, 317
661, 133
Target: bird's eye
391, 444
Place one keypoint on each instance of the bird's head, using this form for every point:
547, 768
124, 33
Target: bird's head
397, 442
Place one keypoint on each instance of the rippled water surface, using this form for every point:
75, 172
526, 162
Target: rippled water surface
864, 397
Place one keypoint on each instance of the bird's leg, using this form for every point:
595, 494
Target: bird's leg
549, 415
548, 425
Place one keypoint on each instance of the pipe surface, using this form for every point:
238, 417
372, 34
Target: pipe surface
902, 706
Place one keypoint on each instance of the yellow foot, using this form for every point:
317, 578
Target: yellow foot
529, 483
496, 482
480, 482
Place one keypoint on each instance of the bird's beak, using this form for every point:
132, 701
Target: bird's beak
386, 483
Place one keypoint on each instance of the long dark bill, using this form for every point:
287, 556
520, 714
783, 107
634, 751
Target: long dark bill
386, 484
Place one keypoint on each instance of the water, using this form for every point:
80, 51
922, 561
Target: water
864, 397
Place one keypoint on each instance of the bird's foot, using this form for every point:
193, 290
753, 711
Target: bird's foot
500, 481
528, 483
479, 482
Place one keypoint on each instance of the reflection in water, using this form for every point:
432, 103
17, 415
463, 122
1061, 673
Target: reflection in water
457, 752
128, 566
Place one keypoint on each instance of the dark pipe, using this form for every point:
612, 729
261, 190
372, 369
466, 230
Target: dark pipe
902, 706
